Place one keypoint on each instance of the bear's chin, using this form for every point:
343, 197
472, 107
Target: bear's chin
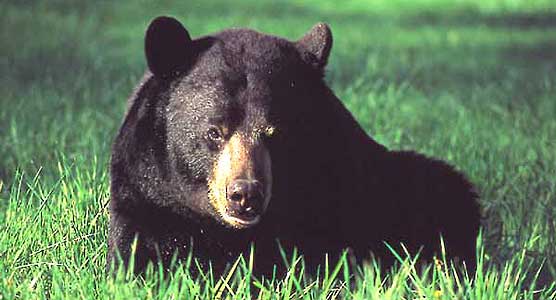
238, 222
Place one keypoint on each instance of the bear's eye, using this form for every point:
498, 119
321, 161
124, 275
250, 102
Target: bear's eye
214, 134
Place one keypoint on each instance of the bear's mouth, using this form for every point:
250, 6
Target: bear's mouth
243, 220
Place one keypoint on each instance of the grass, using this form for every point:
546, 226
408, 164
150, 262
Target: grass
472, 82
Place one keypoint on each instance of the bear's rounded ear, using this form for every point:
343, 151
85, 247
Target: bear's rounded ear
166, 46
315, 45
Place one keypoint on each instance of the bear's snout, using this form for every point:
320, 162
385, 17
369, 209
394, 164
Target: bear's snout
241, 181
245, 197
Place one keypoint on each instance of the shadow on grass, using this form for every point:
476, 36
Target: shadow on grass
473, 17
545, 51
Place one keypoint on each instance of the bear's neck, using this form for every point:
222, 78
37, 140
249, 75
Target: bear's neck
338, 138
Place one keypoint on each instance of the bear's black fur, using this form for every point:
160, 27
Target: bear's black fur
241, 105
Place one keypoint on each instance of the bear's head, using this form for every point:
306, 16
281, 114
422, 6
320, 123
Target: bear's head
228, 99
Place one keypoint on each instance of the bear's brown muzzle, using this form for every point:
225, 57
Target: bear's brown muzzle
241, 181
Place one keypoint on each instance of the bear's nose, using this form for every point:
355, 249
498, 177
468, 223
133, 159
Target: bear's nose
245, 196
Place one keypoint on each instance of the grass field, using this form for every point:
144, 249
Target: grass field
472, 82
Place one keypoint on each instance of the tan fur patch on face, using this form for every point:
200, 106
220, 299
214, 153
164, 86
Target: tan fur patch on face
264, 131
269, 131
237, 160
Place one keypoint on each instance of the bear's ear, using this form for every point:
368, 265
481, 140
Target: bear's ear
166, 46
315, 45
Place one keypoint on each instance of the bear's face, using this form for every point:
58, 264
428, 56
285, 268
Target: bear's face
217, 136
227, 97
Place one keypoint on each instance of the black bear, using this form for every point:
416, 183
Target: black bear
234, 139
